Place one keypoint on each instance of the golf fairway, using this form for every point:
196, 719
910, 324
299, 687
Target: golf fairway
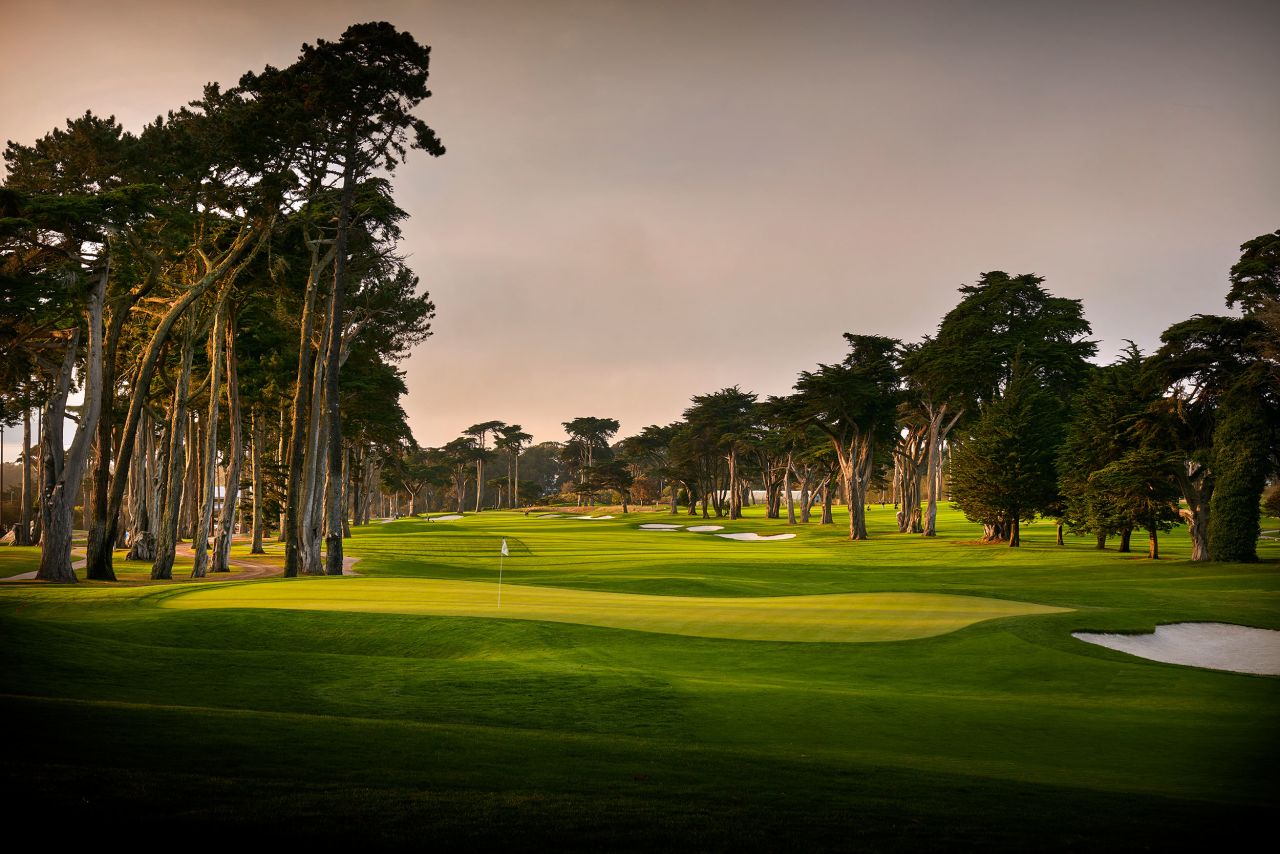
829, 618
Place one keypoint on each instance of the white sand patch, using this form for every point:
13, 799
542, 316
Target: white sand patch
549, 516
756, 537
704, 529
659, 527
1219, 646
452, 517
590, 518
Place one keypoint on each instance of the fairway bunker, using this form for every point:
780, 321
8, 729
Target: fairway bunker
452, 517
1217, 646
659, 527
822, 618
590, 518
704, 529
757, 538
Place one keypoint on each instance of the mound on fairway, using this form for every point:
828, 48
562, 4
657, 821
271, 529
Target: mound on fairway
830, 618
1218, 646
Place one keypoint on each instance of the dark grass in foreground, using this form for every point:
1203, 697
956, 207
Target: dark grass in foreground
406, 731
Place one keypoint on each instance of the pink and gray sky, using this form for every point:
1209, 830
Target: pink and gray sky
642, 201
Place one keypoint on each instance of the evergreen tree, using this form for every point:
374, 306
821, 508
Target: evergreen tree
1003, 473
1107, 414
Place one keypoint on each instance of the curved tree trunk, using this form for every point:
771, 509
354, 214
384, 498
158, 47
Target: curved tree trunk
64, 475
231, 492
938, 432
209, 453
258, 489
175, 456
246, 243
142, 539
294, 515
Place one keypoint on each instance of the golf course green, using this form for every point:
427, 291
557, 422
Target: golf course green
836, 617
642, 689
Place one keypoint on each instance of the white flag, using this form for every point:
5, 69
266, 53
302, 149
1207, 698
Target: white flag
505, 553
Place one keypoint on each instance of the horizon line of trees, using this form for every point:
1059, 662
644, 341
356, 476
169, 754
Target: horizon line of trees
225, 289
1000, 410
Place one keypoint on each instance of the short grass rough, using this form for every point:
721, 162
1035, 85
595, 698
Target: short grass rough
448, 723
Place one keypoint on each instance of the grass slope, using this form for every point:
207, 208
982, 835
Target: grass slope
835, 618
393, 728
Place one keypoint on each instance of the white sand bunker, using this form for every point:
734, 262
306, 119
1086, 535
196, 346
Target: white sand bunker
1219, 646
452, 517
548, 516
658, 527
756, 537
591, 518
704, 529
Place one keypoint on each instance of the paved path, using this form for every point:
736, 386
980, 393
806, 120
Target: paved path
250, 568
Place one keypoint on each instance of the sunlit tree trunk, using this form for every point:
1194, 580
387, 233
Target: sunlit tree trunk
175, 456
209, 453
256, 438
245, 245
786, 491
64, 474
939, 428
231, 493
294, 516
22, 536
142, 538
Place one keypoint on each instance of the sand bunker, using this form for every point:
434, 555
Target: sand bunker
452, 517
704, 529
1218, 646
756, 537
590, 518
548, 516
659, 527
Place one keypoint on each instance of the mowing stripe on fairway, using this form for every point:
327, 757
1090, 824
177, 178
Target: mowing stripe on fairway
830, 618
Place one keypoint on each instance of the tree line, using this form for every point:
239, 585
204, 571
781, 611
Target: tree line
224, 286
225, 289
1000, 410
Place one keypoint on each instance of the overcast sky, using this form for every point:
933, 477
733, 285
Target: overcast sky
642, 201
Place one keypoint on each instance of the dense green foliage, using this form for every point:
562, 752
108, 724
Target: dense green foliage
1241, 441
1003, 471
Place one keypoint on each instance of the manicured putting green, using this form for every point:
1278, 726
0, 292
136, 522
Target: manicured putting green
828, 618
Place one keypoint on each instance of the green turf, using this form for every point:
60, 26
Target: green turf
397, 728
834, 618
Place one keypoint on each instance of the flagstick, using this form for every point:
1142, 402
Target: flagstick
501, 558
